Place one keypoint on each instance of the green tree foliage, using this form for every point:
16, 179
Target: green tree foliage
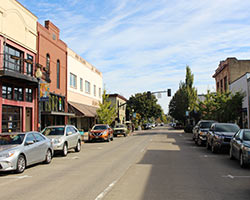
222, 107
146, 107
106, 113
184, 99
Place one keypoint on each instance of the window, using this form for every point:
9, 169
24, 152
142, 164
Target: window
221, 86
58, 74
11, 118
28, 94
100, 92
7, 92
29, 66
18, 94
72, 80
218, 85
11, 63
95, 90
225, 83
30, 138
81, 82
47, 62
87, 87
39, 137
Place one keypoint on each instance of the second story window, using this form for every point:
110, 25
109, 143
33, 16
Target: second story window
94, 90
225, 83
18, 94
58, 74
29, 94
87, 87
81, 84
72, 80
100, 92
47, 62
29, 66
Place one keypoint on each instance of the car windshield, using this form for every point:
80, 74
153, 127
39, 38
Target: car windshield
53, 131
246, 136
11, 139
206, 124
103, 127
120, 126
226, 128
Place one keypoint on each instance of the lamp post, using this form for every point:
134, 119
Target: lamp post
38, 76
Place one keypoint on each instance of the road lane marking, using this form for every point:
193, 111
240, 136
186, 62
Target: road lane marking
99, 148
232, 177
208, 156
15, 177
100, 196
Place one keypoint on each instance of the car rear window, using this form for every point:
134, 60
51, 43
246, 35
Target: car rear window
206, 124
246, 136
53, 131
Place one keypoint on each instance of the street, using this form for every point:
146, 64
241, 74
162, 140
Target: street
155, 164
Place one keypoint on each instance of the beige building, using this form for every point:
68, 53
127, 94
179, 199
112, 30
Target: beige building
119, 102
84, 90
228, 71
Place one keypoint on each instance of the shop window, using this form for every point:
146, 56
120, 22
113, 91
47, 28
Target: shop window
28, 94
11, 119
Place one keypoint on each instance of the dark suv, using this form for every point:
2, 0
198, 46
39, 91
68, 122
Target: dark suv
220, 135
200, 131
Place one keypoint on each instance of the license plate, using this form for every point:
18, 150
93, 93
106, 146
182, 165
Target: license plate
96, 137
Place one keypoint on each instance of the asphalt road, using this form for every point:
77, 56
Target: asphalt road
154, 164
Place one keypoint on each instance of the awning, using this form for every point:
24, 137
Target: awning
87, 111
58, 113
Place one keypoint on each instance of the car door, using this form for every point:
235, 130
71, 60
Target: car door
69, 137
41, 146
74, 136
30, 149
236, 144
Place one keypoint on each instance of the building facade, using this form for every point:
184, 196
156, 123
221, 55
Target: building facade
52, 56
18, 93
85, 86
120, 106
228, 71
242, 84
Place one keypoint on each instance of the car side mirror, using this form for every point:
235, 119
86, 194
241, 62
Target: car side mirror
69, 133
29, 143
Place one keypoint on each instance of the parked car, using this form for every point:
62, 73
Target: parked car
220, 135
200, 131
240, 147
120, 129
63, 137
101, 132
19, 150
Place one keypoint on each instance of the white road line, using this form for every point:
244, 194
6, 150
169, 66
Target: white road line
232, 177
15, 177
100, 196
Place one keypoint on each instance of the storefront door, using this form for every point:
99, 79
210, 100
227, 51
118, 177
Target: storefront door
28, 119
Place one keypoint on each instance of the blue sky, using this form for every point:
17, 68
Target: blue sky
142, 45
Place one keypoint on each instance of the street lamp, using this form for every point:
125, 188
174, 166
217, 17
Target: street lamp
38, 75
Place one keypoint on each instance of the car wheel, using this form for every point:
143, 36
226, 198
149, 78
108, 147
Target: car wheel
78, 146
199, 142
48, 157
65, 150
242, 162
208, 146
231, 154
112, 138
21, 164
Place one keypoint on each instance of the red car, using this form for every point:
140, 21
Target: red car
101, 132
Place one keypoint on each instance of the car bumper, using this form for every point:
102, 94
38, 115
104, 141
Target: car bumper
101, 137
223, 144
246, 157
58, 147
8, 164
203, 138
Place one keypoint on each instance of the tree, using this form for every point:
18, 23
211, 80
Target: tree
106, 113
146, 107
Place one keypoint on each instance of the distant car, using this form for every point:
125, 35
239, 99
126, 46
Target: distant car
240, 147
220, 135
200, 131
120, 129
19, 150
63, 137
162, 124
101, 132
179, 125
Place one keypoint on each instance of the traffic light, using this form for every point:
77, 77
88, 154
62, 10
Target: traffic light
169, 92
148, 94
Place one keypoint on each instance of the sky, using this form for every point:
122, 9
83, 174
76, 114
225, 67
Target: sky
145, 45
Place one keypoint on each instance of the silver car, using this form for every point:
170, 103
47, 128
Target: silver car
19, 150
63, 137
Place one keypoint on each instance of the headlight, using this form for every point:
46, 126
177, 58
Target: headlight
202, 133
56, 141
246, 148
7, 155
104, 132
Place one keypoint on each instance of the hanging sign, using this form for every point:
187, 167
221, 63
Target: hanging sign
44, 91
